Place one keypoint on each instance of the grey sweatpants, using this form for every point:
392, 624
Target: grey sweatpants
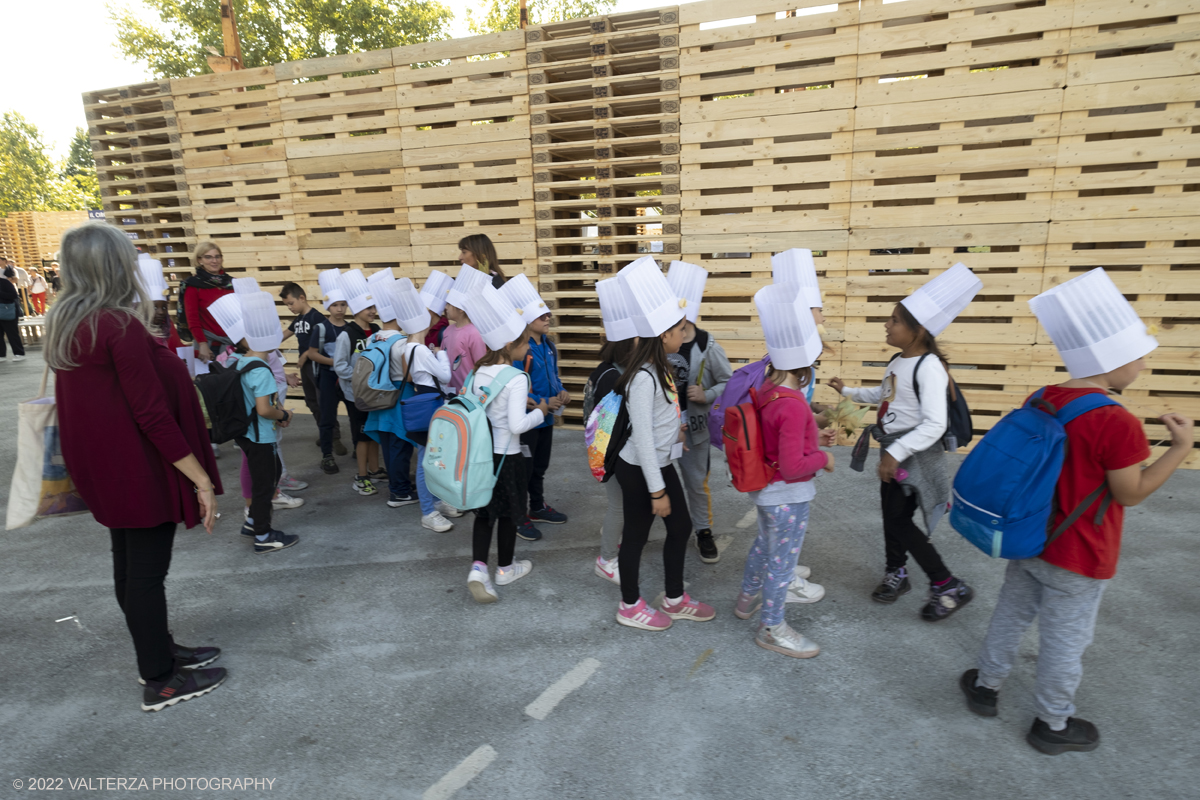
1065, 604
614, 520
693, 470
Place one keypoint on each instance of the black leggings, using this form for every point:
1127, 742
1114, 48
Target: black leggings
141, 558
639, 518
902, 536
481, 538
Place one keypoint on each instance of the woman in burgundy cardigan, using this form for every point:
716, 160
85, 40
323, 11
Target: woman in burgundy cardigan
199, 292
133, 438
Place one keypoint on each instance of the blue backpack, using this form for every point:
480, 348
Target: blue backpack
1004, 492
458, 451
371, 382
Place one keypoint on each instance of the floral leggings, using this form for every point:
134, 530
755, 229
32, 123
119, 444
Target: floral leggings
773, 556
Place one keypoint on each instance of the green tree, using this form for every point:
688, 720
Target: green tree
29, 178
271, 31
80, 168
505, 15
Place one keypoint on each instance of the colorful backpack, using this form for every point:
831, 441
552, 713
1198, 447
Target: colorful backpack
373, 388
1004, 492
737, 391
458, 452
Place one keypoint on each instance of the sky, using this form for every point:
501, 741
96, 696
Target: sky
42, 77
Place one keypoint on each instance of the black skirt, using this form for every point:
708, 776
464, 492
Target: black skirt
510, 497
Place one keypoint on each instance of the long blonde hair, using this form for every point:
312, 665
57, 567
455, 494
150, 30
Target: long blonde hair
99, 273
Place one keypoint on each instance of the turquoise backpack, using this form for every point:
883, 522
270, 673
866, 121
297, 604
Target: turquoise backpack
458, 453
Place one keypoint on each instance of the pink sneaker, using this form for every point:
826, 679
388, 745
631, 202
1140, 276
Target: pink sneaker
688, 609
642, 616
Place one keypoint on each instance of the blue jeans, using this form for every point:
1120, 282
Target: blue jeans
773, 556
427, 499
396, 454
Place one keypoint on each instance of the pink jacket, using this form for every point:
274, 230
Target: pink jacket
790, 439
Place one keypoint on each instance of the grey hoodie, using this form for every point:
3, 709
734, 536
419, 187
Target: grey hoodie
708, 352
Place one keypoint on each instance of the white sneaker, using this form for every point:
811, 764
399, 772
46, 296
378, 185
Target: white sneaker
18, 358
782, 639
802, 591
281, 500
216, 451
801, 572
480, 586
608, 570
436, 522
513, 572
246, 513
288, 483
446, 510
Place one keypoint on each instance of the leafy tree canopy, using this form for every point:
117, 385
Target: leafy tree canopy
29, 178
272, 31
505, 15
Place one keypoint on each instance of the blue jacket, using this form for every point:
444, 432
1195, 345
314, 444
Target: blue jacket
543, 373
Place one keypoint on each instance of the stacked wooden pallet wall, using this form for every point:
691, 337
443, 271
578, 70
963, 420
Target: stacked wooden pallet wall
1030, 140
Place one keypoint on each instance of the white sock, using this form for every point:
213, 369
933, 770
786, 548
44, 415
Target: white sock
479, 565
262, 537
673, 601
1062, 726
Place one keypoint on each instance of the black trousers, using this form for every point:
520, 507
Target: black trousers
312, 397
329, 395
265, 472
901, 535
11, 329
539, 441
481, 538
638, 520
141, 558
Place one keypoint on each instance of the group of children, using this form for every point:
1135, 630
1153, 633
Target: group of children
668, 372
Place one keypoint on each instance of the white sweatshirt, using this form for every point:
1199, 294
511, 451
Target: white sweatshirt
899, 409
655, 422
507, 412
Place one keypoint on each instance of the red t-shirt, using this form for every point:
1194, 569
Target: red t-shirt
1108, 438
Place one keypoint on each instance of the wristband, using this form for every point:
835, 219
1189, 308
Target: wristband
659, 497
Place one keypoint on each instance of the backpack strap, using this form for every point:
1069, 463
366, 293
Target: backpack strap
1083, 404
253, 366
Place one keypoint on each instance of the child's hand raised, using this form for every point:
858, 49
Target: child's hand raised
1182, 429
837, 385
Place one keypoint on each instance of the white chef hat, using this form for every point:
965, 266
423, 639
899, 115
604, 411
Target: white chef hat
938, 302
652, 305
434, 292
245, 286
354, 287
687, 281
618, 321
150, 271
520, 292
411, 313
330, 287
464, 285
796, 266
227, 311
263, 331
1093, 326
788, 326
494, 317
379, 283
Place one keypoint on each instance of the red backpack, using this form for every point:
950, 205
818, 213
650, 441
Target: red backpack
744, 451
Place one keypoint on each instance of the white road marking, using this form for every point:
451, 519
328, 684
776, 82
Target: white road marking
578, 676
461, 775
723, 541
749, 518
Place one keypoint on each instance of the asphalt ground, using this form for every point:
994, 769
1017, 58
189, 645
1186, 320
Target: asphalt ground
360, 667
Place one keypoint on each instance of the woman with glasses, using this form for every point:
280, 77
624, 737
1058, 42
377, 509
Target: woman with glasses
199, 292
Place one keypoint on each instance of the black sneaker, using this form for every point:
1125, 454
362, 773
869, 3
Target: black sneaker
548, 515
276, 540
191, 657
329, 466
339, 449
247, 529
895, 583
980, 699
945, 601
1080, 736
378, 475
184, 684
528, 531
398, 500
709, 553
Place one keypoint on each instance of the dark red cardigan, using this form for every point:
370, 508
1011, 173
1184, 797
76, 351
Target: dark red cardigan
195, 304
125, 415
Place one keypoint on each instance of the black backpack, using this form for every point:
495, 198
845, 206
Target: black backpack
225, 401
958, 416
